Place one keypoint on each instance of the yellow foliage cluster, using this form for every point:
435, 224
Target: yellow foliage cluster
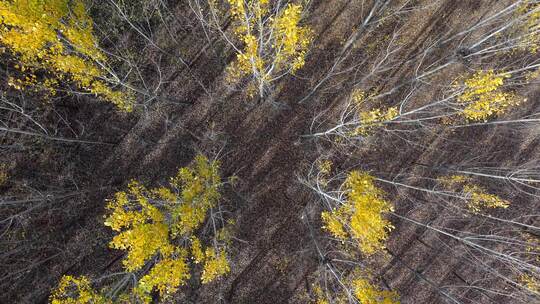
215, 264
450, 181
274, 42
530, 28
370, 119
320, 296
146, 229
199, 186
530, 282
483, 96
142, 227
225, 234
324, 167
477, 197
73, 290
152, 226
374, 119
166, 275
480, 200
357, 286
358, 97
368, 293
56, 37
333, 222
361, 216
291, 39
322, 301
196, 250
360, 287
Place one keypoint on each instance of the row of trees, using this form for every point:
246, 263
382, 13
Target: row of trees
477, 85
64, 54
171, 234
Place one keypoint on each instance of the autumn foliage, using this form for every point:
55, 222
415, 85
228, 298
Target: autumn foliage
367, 293
73, 290
356, 218
483, 96
52, 43
274, 43
361, 216
155, 227
448, 99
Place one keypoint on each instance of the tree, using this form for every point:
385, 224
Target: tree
273, 41
360, 216
154, 226
501, 46
52, 42
355, 220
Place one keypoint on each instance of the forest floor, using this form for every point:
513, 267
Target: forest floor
261, 142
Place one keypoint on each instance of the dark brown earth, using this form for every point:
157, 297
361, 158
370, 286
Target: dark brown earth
261, 142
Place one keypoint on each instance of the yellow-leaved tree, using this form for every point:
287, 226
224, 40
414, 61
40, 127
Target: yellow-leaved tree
155, 227
51, 45
356, 218
483, 96
361, 216
271, 42
477, 198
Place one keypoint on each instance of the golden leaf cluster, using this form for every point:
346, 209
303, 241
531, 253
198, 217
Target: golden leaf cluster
73, 290
147, 231
320, 296
373, 119
324, 167
215, 264
274, 43
166, 275
530, 282
368, 293
370, 119
55, 38
483, 96
358, 285
361, 215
